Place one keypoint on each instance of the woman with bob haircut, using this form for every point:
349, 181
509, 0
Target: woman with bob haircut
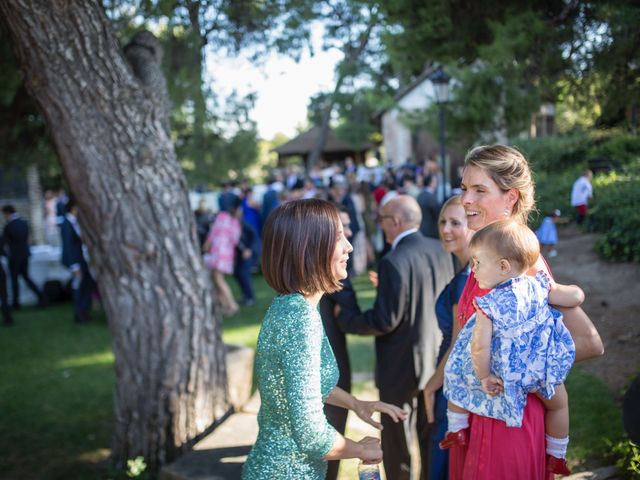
304, 256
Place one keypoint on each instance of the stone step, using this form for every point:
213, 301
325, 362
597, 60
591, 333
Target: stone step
221, 454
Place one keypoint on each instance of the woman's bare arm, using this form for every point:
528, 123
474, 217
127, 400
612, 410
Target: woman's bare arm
566, 295
585, 336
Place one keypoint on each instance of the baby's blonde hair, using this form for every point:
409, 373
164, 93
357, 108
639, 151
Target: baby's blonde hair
510, 240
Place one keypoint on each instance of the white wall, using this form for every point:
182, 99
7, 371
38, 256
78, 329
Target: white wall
396, 136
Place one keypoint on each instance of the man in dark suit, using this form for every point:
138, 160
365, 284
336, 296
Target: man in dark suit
335, 309
82, 284
430, 207
403, 319
15, 241
247, 253
271, 198
7, 318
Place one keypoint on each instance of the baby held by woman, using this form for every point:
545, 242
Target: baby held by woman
515, 344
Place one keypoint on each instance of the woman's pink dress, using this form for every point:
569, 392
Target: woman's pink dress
495, 451
223, 237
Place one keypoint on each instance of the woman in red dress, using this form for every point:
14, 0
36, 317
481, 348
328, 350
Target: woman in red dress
497, 184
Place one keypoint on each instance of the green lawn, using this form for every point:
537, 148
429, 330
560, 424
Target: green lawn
56, 381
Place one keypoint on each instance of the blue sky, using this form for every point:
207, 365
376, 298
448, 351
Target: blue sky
283, 87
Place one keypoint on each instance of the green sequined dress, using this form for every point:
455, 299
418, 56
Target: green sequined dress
296, 370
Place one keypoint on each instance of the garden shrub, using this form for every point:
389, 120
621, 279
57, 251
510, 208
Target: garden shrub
617, 216
558, 161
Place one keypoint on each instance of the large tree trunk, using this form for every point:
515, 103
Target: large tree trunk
111, 137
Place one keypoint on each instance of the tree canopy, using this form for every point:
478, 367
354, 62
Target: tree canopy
509, 58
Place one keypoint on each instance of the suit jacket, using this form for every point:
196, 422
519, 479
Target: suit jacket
15, 238
430, 211
269, 202
403, 317
250, 239
71, 245
334, 327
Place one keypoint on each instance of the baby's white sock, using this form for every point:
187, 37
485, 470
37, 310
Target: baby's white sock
457, 421
557, 446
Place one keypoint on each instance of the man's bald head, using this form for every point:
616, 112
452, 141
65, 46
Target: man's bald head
405, 208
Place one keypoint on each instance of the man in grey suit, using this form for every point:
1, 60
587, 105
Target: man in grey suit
403, 319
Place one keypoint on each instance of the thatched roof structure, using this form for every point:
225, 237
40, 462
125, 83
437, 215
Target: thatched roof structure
334, 148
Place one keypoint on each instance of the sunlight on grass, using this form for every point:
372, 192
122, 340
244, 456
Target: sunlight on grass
242, 335
594, 417
56, 397
94, 456
98, 358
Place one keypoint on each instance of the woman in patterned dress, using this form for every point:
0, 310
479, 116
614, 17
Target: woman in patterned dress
516, 343
305, 255
497, 184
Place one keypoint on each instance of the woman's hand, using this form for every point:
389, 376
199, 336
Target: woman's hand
371, 451
430, 402
365, 411
373, 278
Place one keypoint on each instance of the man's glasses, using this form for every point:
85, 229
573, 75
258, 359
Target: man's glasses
382, 217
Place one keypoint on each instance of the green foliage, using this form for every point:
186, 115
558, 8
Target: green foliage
136, 468
575, 150
626, 456
23, 135
616, 59
558, 161
556, 154
507, 59
208, 137
616, 215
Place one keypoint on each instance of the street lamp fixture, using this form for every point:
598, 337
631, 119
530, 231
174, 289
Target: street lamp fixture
440, 80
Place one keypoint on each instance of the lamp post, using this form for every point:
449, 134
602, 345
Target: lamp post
440, 80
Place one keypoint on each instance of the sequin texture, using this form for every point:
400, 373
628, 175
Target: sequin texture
295, 370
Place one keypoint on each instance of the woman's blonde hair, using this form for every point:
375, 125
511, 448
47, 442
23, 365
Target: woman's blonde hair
453, 200
508, 168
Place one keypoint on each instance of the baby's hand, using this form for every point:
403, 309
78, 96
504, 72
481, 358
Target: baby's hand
492, 385
479, 312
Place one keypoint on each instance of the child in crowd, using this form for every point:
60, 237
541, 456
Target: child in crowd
548, 234
514, 344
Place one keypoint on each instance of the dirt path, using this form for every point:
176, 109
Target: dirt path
612, 302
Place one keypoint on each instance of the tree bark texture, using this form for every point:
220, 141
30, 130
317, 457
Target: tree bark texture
109, 127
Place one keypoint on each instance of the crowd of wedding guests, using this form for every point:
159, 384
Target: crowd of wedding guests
466, 343
61, 229
230, 233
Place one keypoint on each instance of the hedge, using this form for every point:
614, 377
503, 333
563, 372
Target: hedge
558, 161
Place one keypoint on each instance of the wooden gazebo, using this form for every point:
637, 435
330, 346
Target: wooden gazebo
335, 150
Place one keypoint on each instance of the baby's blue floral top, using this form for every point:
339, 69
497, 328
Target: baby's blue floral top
531, 349
296, 370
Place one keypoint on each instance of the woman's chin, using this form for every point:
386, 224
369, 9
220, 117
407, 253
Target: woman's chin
340, 274
475, 222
